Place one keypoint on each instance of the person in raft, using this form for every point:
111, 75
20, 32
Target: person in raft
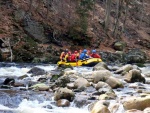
84, 55
94, 54
64, 55
74, 56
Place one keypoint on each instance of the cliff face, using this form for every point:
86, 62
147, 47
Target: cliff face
37, 28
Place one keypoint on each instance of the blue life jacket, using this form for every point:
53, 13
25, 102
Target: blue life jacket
83, 56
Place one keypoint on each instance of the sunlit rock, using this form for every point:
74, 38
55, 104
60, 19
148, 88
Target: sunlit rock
63, 103
114, 82
64, 93
81, 82
40, 87
139, 103
124, 69
100, 66
134, 76
101, 75
100, 108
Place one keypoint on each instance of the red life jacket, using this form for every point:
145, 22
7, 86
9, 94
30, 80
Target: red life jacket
73, 57
95, 55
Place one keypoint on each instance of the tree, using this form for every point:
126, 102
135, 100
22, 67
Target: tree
107, 17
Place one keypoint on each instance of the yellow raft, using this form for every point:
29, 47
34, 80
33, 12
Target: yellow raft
88, 62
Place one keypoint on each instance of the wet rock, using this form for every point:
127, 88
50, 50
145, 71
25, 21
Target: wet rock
101, 75
107, 96
63, 103
124, 69
37, 71
81, 82
42, 79
81, 101
64, 93
102, 85
22, 77
69, 72
134, 111
137, 103
9, 81
90, 89
62, 81
100, 108
114, 82
134, 76
40, 87
100, 66
136, 56
18, 84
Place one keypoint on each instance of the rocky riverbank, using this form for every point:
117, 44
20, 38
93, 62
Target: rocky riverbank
103, 88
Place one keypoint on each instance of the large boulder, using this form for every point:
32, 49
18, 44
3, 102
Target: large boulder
139, 103
114, 82
134, 111
62, 81
81, 82
100, 66
100, 108
134, 76
101, 75
64, 93
101, 84
124, 69
136, 56
37, 71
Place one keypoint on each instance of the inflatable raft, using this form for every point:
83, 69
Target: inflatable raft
88, 62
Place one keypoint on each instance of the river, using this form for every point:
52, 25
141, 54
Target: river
14, 100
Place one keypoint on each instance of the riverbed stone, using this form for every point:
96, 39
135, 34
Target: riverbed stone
81, 82
114, 82
37, 71
101, 84
100, 66
139, 103
119, 45
134, 76
40, 87
63, 103
134, 111
100, 108
124, 69
64, 93
101, 75
9, 81
62, 81
70, 86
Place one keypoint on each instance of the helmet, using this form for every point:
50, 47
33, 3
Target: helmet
66, 50
75, 52
84, 51
93, 51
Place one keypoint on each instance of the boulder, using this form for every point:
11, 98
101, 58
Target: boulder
134, 76
114, 82
81, 82
40, 87
139, 103
9, 81
100, 66
102, 85
70, 86
64, 93
124, 69
136, 56
37, 71
62, 81
63, 103
101, 75
100, 108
